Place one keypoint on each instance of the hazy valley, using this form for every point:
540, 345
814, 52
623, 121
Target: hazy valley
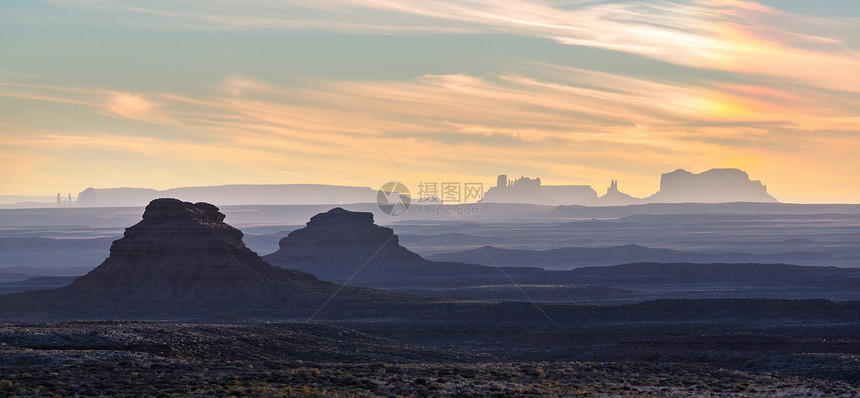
466, 302
601, 198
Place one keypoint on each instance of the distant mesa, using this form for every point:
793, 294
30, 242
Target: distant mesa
344, 246
527, 190
92, 197
278, 194
181, 257
712, 186
679, 186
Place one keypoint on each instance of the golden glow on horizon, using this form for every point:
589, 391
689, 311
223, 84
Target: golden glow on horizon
317, 144
784, 105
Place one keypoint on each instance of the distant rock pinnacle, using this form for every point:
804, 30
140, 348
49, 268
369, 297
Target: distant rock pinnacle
614, 197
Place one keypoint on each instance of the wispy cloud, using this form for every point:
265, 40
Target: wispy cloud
759, 88
132, 106
582, 127
734, 35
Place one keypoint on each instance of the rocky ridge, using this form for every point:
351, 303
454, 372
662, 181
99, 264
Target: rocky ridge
712, 186
339, 241
181, 257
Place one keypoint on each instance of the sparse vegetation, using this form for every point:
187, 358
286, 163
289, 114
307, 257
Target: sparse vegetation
310, 360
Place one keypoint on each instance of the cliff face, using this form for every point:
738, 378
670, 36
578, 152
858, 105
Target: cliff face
92, 197
180, 259
712, 186
181, 249
527, 190
335, 244
679, 186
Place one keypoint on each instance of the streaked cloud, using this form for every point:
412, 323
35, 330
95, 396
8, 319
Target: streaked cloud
582, 123
734, 35
132, 106
694, 84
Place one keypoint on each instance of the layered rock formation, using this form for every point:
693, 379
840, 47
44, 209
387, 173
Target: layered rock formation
679, 186
339, 242
182, 250
712, 186
92, 197
527, 190
347, 247
182, 257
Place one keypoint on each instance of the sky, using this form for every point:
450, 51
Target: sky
163, 94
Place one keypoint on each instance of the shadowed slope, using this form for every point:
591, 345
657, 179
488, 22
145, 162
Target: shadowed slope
347, 247
181, 257
184, 249
338, 242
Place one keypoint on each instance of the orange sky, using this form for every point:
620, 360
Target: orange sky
159, 95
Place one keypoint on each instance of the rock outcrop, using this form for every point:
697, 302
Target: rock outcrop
181, 258
346, 247
92, 197
679, 186
182, 250
614, 197
527, 190
337, 243
712, 186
